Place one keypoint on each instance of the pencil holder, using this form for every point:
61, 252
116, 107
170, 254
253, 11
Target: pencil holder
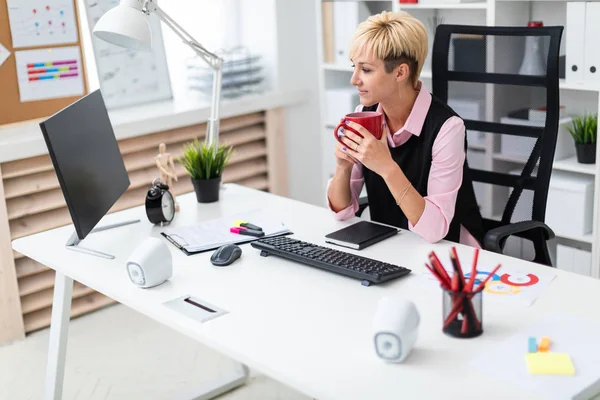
462, 313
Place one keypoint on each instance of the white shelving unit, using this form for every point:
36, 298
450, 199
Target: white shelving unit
577, 98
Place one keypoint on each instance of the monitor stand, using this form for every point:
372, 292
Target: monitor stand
73, 242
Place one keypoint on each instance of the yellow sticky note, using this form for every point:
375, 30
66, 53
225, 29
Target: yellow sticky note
549, 364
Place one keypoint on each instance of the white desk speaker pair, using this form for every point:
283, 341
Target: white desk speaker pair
395, 328
150, 264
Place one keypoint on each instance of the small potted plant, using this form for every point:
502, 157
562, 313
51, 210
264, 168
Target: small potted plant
584, 131
205, 164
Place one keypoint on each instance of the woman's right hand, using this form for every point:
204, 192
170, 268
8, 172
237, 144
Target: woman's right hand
342, 158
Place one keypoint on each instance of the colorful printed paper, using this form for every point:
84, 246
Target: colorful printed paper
49, 73
42, 22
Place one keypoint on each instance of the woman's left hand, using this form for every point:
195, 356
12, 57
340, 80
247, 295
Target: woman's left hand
372, 153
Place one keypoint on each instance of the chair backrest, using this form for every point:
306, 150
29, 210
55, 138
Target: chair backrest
514, 69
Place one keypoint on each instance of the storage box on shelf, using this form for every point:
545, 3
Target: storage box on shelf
521, 147
570, 206
573, 259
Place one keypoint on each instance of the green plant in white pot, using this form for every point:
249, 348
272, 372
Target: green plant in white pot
584, 130
205, 164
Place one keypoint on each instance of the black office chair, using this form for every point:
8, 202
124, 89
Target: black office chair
469, 73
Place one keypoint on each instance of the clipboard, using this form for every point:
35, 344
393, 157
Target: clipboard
190, 253
214, 233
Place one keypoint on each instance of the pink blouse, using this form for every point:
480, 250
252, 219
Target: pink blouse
445, 176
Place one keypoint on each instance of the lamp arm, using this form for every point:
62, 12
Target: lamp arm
214, 61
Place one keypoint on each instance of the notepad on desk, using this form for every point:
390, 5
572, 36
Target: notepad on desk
212, 234
361, 235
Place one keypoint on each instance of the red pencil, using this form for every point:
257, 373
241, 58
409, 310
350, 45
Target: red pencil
439, 268
439, 278
457, 268
435, 260
487, 278
473, 272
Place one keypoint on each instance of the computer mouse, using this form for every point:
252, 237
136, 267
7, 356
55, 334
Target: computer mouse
225, 255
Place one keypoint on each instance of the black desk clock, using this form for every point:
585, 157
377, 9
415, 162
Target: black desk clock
160, 205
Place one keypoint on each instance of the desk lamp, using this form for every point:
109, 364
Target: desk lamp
125, 25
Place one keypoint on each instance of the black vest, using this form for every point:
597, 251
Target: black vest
414, 158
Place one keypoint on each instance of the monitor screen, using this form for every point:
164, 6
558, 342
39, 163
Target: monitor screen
87, 160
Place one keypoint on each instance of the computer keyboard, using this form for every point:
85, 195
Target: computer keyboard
368, 270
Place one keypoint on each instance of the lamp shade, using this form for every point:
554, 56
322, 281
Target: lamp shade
125, 25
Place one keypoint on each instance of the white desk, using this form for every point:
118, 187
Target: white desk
305, 327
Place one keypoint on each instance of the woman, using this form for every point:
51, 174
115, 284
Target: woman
416, 176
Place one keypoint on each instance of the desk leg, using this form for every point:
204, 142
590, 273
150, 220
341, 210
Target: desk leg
59, 332
221, 385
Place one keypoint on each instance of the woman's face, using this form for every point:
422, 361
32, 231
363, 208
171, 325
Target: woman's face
373, 83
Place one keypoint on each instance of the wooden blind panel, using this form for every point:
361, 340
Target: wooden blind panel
39, 222
187, 133
241, 136
27, 166
53, 199
41, 318
40, 300
25, 266
33, 183
139, 179
36, 283
35, 203
238, 172
35, 165
260, 182
42, 181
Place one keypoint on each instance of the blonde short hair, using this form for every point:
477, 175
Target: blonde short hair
395, 38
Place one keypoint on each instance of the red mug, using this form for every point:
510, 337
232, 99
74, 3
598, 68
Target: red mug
370, 120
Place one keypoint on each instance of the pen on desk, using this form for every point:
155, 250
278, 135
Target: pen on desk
251, 226
245, 231
246, 224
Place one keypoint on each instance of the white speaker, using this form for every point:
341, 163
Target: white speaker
395, 328
150, 264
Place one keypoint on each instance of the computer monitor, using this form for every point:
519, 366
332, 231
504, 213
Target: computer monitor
89, 166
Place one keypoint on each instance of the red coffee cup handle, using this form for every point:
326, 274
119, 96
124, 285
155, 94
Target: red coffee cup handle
335, 131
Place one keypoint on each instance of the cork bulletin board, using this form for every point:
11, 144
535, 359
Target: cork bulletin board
46, 70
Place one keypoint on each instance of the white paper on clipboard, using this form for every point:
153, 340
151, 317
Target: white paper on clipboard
215, 233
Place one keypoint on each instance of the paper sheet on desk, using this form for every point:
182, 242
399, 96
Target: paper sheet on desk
573, 335
215, 233
510, 285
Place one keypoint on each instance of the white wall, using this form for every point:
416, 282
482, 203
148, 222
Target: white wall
285, 33
298, 68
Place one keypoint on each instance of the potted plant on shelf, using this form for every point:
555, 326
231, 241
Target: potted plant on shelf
205, 164
584, 130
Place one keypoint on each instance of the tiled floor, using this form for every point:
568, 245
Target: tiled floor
118, 354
